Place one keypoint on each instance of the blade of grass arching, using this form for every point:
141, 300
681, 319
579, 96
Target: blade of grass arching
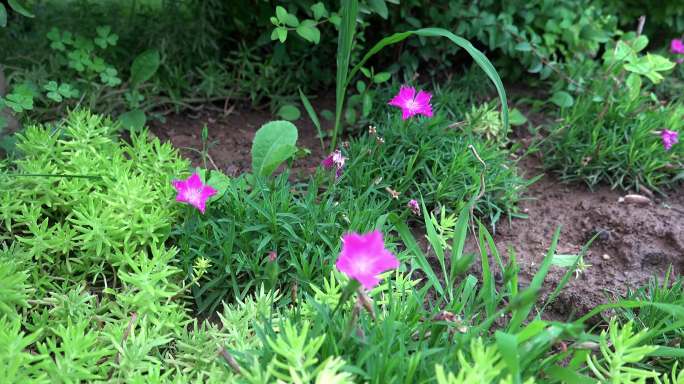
436, 246
675, 310
458, 263
410, 243
566, 277
312, 115
350, 10
508, 347
480, 59
487, 293
521, 313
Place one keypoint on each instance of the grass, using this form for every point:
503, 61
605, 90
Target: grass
115, 306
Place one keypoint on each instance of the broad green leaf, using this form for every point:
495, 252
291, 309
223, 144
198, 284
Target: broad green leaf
289, 112
633, 83
220, 182
381, 77
19, 8
3, 16
281, 33
367, 104
517, 118
308, 31
523, 47
291, 21
134, 120
562, 99
281, 14
144, 67
273, 143
379, 7
640, 43
319, 11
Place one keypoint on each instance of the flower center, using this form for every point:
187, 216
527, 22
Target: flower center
362, 265
194, 196
411, 105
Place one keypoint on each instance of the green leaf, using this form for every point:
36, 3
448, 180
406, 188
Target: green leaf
281, 32
517, 118
327, 114
379, 7
19, 8
366, 72
144, 67
367, 104
319, 11
308, 31
220, 182
281, 14
640, 43
273, 143
291, 20
523, 47
562, 99
133, 121
381, 77
350, 10
633, 84
335, 19
312, 115
3, 16
479, 58
289, 112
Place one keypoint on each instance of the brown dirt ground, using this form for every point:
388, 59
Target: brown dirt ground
636, 241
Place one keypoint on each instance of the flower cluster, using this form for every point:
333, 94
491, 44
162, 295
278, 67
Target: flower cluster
336, 160
670, 138
677, 47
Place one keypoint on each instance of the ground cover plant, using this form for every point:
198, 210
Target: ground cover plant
123, 262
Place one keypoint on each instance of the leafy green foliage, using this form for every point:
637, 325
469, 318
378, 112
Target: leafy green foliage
255, 217
273, 143
425, 159
611, 133
75, 216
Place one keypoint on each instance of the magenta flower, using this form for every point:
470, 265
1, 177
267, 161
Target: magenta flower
414, 207
677, 46
335, 159
412, 104
364, 257
670, 138
193, 192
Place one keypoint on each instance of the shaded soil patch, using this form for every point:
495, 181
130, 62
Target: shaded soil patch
635, 243
230, 136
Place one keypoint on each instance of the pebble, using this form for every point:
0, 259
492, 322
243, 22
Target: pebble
606, 256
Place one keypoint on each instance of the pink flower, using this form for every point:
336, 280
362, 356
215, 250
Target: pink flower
670, 138
335, 159
364, 257
677, 46
412, 104
414, 207
193, 192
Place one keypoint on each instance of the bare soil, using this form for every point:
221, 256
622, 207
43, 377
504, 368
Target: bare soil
635, 243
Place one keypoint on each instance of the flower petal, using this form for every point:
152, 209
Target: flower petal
404, 96
194, 181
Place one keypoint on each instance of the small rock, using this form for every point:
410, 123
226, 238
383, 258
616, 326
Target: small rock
634, 199
605, 256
